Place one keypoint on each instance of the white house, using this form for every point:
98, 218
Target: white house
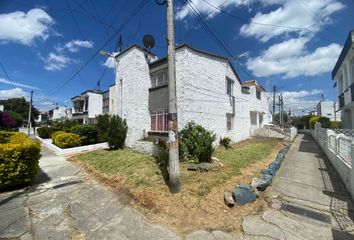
328, 109
209, 92
92, 103
343, 74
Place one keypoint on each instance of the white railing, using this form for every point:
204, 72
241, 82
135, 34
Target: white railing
339, 149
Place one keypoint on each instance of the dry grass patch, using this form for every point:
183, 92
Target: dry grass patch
200, 204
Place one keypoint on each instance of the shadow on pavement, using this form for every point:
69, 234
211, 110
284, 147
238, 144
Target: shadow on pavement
306, 147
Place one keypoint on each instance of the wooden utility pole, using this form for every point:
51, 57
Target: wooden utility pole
173, 162
274, 89
29, 115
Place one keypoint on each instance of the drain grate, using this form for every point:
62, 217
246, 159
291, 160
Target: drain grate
306, 213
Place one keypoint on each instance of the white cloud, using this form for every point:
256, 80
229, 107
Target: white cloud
14, 93
311, 15
17, 84
298, 101
56, 61
24, 27
208, 6
291, 59
75, 45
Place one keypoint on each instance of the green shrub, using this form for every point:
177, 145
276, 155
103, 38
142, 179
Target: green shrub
5, 136
55, 134
325, 122
44, 132
335, 124
65, 125
88, 133
102, 126
17, 117
18, 160
67, 140
196, 142
225, 142
116, 132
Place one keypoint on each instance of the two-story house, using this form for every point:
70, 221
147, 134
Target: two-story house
343, 74
209, 92
92, 103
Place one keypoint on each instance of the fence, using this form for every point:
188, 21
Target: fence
339, 148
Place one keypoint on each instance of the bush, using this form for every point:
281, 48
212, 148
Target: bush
225, 142
65, 125
18, 160
67, 140
102, 126
44, 132
335, 124
116, 132
55, 134
197, 142
88, 133
17, 117
325, 122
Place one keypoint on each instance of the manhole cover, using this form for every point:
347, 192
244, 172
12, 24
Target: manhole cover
306, 213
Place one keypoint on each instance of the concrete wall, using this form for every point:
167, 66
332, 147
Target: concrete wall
133, 72
344, 170
95, 104
113, 100
144, 147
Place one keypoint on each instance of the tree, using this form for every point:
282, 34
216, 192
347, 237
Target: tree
277, 118
20, 106
6, 122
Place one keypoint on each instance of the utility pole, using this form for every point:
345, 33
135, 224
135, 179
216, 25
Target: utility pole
173, 162
279, 116
29, 114
274, 89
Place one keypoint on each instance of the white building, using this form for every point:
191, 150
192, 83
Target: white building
209, 92
343, 74
92, 103
328, 109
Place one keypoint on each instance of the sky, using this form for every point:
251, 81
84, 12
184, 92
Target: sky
51, 46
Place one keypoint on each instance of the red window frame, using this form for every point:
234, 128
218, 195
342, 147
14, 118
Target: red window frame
159, 120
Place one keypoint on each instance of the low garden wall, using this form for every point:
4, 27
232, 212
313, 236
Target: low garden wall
145, 147
69, 151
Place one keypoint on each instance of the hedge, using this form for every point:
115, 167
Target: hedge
88, 133
44, 132
67, 140
325, 122
19, 158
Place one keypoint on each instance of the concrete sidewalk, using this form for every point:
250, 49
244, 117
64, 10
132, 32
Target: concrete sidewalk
309, 199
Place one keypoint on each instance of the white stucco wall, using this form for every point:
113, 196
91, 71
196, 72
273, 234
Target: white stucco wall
113, 100
95, 104
201, 94
133, 71
327, 109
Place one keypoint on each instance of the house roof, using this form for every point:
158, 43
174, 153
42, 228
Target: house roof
87, 91
252, 83
199, 51
131, 47
346, 48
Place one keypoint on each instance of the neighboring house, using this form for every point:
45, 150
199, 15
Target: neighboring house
209, 92
328, 109
343, 74
43, 117
59, 114
1, 108
92, 103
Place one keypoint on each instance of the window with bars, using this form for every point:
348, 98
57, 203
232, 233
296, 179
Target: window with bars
229, 122
159, 78
229, 86
159, 120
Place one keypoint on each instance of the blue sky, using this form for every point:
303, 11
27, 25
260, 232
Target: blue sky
292, 44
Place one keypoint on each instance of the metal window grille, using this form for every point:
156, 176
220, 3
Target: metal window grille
159, 120
159, 78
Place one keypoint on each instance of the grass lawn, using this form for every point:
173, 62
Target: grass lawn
201, 192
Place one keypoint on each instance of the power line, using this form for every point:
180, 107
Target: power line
73, 16
131, 15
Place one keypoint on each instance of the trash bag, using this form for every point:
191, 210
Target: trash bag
264, 171
280, 156
267, 177
260, 184
244, 194
273, 167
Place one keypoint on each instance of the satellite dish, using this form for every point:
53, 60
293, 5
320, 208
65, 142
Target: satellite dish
149, 41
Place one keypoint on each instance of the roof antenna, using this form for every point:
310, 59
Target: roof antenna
120, 43
149, 42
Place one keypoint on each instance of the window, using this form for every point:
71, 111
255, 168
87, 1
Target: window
159, 120
345, 78
229, 119
258, 94
159, 78
229, 86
